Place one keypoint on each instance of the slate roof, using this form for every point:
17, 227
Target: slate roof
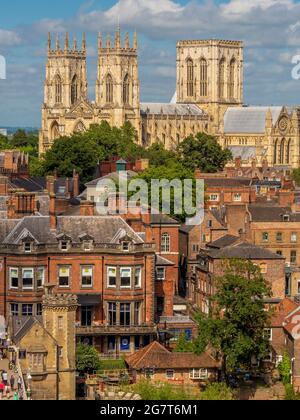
171, 109
102, 229
244, 251
272, 214
155, 355
228, 182
161, 261
227, 240
249, 119
243, 152
163, 219
114, 176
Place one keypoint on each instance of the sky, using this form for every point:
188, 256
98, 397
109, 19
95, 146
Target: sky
270, 30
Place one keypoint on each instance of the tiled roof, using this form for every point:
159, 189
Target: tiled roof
114, 176
228, 182
223, 242
272, 214
244, 251
285, 307
157, 356
163, 219
249, 120
161, 261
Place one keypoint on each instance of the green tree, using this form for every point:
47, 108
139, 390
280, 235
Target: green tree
284, 369
87, 359
236, 326
70, 153
203, 152
183, 345
4, 143
217, 392
158, 155
296, 176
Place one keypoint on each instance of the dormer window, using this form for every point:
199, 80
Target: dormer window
286, 217
64, 246
64, 242
87, 245
125, 246
27, 247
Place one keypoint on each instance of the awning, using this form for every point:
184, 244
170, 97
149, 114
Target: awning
89, 300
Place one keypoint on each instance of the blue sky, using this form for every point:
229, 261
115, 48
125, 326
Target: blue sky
269, 28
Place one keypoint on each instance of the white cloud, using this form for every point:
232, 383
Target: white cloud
9, 38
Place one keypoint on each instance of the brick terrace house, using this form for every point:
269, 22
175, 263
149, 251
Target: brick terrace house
13, 162
211, 266
157, 363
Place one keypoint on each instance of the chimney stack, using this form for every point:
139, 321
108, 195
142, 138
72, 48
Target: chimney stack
87, 209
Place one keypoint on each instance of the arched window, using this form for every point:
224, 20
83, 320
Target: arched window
126, 90
165, 242
74, 90
288, 151
55, 131
190, 78
222, 78
275, 152
109, 90
231, 81
80, 128
58, 90
282, 152
203, 78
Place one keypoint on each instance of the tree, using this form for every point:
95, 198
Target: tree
203, 152
183, 345
236, 326
158, 155
87, 359
69, 153
285, 368
296, 176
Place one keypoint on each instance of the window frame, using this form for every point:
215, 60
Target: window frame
40, 269
64, 267
164, 276
122, 269
10, 278
138, 284
114, 286
28, 305
91, 269
165, 243
32, 278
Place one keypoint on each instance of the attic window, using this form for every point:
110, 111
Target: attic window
27, 247
87, 245
125, 246
64, 246
286, 217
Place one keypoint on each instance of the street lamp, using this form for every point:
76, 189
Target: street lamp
29, 382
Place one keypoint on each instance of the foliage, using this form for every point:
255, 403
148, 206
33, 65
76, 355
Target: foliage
284, 369
113, 365
290, 393
296, 176
87, 359
203, 152
217, 392
160, 392
158, 155
236, 326
183, 345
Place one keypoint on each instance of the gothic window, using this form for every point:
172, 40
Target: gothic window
109, 90
288, 152
203, 78
74, 90
58, 90
126, 90
222, 78
275, 152
231, 81
55, 131
80, 128
282, 152
190, 78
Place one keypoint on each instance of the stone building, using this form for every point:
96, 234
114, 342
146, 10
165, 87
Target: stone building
47, 348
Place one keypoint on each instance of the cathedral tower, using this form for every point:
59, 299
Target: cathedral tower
65, 86
210, 74
118, 87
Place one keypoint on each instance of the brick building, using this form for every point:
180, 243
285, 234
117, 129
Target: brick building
13, 162
210, 266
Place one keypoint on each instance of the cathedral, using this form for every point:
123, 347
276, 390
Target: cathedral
208, 98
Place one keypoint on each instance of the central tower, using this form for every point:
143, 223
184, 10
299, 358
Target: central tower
118, 86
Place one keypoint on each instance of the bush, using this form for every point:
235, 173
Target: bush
87, 359
112, 365
290, 393
284, 369
160, 392
217, 392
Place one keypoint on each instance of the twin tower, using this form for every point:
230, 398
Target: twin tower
66, 107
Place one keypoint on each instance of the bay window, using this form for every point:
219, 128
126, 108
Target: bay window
138, 277
27, 310
87, 276
40, 277
64, 277
13, 278
112, 277
125, 312
125, 274
112, 314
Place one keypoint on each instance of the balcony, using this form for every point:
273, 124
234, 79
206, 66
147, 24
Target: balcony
115, 330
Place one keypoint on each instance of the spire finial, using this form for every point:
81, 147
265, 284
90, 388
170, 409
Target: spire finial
108, 42
75, 43
57, 43
118, 38
67, 42
127, 41
135, 42
83, 42
99, 40
49, 41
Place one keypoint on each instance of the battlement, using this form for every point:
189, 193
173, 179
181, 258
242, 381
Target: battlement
59, 300
106, 45
68, 51
210, 42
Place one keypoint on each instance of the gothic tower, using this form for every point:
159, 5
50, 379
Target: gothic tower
210, 74
59, 317
65, 86
118, 87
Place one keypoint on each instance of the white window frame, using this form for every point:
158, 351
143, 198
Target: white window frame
40, 270
138, 284
165, 243
91, 270
199, 374
11, 269
294, 237
237, 197
122, 269
108, 276
164, 276
28, 251
170, 374
27, 287
214, 197
69, 277
268, 333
